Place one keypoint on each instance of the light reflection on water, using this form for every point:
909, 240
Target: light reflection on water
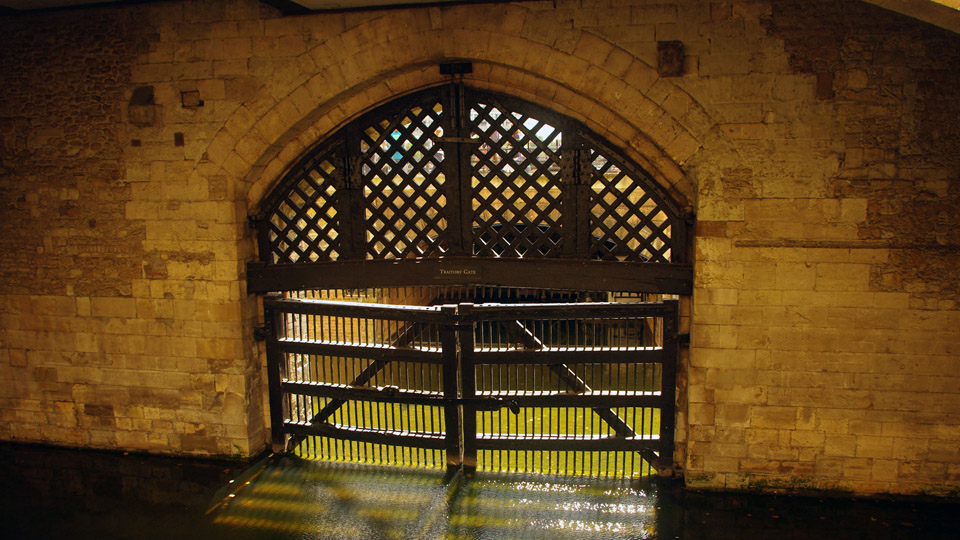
322, 500
57, 494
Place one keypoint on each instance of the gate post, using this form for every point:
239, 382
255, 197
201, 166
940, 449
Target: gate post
668, 387
273, 324
468, 388
451, 411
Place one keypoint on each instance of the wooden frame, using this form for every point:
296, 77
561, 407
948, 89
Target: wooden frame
455, 172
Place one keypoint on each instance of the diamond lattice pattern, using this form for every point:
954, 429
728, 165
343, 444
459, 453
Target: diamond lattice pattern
626, 223
403, 184
516, 183
304, 226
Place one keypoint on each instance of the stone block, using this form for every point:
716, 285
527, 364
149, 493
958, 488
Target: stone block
773, 417
113, 307
653, 14
807, 438
733, 414
701, 414
724, 358
199, 444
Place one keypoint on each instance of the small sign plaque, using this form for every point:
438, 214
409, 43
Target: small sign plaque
458, 273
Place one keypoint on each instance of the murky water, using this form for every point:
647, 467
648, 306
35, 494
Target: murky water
63, 494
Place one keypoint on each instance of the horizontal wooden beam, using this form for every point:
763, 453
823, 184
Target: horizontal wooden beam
485, 402
553, 312
397, 438
333, 308
598, 356
385, 354
570, 274
608, 443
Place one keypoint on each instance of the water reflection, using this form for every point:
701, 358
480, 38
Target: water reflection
67, 494
52, 493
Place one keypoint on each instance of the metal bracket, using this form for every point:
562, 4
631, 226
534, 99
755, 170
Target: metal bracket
570, 165
461, 140
260, 333
456, 68
486, 403
354, 181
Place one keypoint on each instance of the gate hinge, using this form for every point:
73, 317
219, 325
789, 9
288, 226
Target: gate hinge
682, 339
260, 333
253, 221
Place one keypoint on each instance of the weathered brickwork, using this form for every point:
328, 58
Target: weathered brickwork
817, 143
826, 328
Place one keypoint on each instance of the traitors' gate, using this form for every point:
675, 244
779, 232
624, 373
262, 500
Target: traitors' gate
467, 280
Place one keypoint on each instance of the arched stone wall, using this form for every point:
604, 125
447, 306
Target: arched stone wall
614, 93
815, 141
574, 72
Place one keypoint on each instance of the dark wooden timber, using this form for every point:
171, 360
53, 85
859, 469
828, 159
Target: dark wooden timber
498, 441
451, 412
381, 358
563, 372
560, 312
573, 356
668, 407
460, 398
571, 274
468, 390
380, 354
352, 309
397, 438
580, 399
273, 320
481, 401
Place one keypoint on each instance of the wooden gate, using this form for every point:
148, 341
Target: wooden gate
455, 186
451, 184
565, 388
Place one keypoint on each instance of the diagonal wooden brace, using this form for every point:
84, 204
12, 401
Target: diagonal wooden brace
406, 335
572, 380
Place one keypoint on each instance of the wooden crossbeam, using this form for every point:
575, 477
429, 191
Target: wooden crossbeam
578, 385
404, 337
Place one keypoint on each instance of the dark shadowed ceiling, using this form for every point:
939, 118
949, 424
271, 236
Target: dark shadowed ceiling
286, 5
942, 13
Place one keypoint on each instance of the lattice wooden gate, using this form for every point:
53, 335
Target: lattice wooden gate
453, 172
451, 186
563, 388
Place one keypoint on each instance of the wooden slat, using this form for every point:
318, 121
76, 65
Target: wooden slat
343, 392
396, 438
579, 400
347, 350
561, 312
487, 441
591, 355
333, 308
452, 441
482, 401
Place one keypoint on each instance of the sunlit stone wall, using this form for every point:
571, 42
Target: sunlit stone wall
817, 143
